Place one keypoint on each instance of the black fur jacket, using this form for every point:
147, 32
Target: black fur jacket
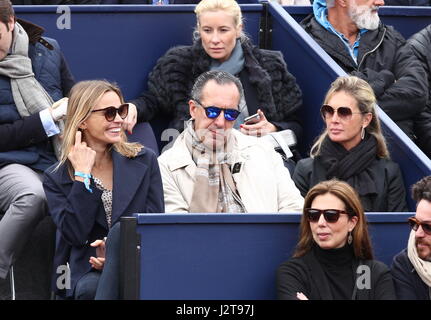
171, 81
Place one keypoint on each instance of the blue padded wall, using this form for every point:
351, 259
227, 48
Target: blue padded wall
231, 256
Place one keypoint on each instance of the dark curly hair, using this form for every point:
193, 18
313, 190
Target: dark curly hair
422, 189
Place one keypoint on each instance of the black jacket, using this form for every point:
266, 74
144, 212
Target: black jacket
390, 197
24, 139
305, 274
421, 45
386, 62
408, 284
171, 81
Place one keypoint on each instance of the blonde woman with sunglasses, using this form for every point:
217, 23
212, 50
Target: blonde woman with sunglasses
99, 179
333, 259
353, 149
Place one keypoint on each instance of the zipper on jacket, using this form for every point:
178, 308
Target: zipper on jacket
366, 53
237, 198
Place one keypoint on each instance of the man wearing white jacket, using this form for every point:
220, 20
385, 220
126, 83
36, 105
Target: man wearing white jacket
214, 168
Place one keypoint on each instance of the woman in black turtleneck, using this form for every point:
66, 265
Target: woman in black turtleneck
334, 259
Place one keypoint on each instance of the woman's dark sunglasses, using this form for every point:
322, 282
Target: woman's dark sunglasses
213, 112
331, 215
415, 223
111, 112
344, 113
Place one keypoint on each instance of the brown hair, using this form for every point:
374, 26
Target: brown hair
6, 12
342, 190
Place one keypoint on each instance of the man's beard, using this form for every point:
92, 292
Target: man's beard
426, 258
364, 17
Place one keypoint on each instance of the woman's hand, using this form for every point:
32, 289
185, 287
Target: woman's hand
301, 296
130, 121
99, 261
81, 156
260, 128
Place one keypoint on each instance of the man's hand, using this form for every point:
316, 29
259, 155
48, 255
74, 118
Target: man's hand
260, 128
59, 109
130, 120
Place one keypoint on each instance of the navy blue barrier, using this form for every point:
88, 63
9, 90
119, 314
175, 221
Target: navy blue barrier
407, 20
306, 59
231, 256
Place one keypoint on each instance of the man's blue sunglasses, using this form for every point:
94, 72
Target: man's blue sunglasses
213, 112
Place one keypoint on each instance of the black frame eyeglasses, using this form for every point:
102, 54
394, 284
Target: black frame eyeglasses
415, 223
111, 112
212, 112
344, 113
330, 215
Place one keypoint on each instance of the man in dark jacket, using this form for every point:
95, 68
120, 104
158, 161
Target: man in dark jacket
350, 31
411, 268
421, 45
33, 74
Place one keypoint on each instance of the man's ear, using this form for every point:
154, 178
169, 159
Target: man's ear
11, 24
192, 108
342, 3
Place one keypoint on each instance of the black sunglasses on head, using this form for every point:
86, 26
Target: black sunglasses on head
111, 112
213, 112
415, 223
330, 215
344, 113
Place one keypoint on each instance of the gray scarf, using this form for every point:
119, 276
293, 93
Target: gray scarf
28, 94
234, 66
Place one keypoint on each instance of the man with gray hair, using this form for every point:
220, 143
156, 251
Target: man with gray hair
214, 168
33, 74
411, 268
350, 31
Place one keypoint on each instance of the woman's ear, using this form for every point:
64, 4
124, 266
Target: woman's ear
352, 222
239, 31
82, 126
367, 119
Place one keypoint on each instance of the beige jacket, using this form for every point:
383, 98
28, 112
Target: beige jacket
263, 182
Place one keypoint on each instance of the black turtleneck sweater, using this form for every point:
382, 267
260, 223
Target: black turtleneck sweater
330, 274
337, 264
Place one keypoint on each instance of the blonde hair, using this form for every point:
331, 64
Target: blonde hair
82, 98
361, 91
343, 191
230, 7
